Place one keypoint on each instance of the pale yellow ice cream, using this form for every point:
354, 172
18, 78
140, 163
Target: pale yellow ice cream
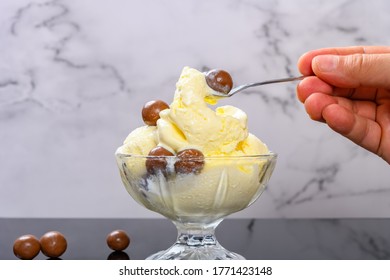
228, 181
191, 123
140, 141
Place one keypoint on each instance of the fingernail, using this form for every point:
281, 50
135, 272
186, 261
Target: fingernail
325, 63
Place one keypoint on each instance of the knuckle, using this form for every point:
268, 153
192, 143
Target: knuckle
359, 67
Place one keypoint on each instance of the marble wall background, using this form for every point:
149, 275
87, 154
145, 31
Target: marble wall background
75, 74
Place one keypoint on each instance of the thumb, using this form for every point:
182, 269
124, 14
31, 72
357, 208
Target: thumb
352, 71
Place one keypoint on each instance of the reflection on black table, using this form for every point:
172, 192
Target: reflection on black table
252, 238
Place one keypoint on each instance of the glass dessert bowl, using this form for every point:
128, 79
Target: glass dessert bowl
196, 195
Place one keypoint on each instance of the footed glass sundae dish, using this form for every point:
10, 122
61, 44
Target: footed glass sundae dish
197, 201
195, 165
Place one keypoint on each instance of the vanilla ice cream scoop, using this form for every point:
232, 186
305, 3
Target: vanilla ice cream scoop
189, 122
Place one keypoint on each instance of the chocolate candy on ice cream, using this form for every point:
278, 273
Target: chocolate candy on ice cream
151, 111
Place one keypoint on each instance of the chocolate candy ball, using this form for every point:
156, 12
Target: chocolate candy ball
153, 165
118, 240
189, 161
219, 80
151, 111
53, 244
26, 247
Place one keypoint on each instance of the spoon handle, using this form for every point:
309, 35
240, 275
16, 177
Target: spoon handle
290, 79
242, 87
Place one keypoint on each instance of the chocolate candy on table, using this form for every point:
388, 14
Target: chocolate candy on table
26, 247
118, 240
151, 111
157, 163
53, 244
219, 80
189, 161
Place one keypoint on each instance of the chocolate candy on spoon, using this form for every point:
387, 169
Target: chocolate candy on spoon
151, 111
219, 80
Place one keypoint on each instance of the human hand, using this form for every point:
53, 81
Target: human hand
349, 90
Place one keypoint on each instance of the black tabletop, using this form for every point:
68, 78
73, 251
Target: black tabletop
255, 239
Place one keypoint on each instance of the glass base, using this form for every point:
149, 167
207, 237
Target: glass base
196, 241
204, 252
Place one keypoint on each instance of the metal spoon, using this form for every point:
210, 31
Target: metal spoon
242, 87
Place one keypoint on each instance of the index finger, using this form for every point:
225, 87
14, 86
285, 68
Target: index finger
304, 62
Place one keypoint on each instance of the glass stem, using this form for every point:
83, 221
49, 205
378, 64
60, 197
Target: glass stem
196, 234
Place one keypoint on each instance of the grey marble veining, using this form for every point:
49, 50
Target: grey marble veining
333, 239
74, 75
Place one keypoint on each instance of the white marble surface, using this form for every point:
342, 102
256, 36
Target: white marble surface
75, 74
